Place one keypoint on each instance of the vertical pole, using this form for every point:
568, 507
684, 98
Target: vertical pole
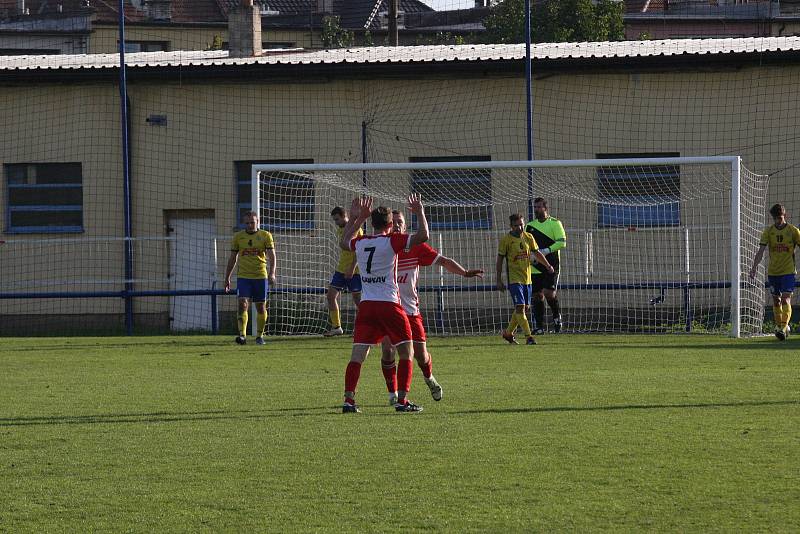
736, 266
394, 37
529, 104
440, 303
364, 157
687, 297
255, 205
587, 262
214, 318
126, 171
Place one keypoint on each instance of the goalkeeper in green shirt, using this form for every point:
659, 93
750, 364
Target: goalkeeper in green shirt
549, 234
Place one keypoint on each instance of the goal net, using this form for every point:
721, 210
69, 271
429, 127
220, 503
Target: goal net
654, 245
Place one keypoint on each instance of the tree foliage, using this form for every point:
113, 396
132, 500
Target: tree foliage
333, 35
556, 21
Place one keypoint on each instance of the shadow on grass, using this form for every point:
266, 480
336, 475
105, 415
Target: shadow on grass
222, 415
161, 417
624, 407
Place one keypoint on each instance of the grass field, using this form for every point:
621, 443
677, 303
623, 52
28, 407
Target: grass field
682, 433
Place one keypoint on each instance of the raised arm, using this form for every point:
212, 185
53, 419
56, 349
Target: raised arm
759, 257
452, 266
360, 210
416, 207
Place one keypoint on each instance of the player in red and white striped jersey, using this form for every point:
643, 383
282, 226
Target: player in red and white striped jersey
410, 260
380, 313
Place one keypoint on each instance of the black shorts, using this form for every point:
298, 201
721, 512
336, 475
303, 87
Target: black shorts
544, 281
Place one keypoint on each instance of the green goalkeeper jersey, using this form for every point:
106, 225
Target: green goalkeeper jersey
548, 234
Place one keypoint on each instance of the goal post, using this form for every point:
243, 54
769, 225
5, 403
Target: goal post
653, 244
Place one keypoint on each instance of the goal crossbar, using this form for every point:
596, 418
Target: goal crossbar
519, 164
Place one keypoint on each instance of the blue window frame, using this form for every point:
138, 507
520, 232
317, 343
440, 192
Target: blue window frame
287, 202
44, 197
643, 196
455, 199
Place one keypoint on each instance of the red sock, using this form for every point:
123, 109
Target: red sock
427, 367
351, 376
405, 368
390, 375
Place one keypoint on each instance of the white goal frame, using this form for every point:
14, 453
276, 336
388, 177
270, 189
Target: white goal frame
733, 161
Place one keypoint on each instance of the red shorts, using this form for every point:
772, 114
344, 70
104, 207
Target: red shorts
376, 319
417, 328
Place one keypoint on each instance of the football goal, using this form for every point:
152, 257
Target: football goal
654, 245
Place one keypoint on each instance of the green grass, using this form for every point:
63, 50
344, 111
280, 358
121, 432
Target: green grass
680, 433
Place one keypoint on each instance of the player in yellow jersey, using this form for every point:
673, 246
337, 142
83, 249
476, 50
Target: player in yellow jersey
346, 275
781, 238
254, 251
516, 249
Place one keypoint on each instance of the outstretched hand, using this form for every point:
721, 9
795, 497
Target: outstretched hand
361, 207
473, 273
415, 203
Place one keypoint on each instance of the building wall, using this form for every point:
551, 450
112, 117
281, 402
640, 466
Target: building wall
104, 39
188, 164
60, 44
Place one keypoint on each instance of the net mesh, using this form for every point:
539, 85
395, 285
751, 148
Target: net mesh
327, 90
649, 246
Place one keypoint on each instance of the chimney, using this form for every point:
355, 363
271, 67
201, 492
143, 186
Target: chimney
244, 30
158, 9
324, 6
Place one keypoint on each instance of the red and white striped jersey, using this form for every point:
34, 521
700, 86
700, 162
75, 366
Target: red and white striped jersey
408, 266
376, 256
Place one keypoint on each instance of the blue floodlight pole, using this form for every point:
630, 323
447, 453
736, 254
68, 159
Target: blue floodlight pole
529, 103
126, 172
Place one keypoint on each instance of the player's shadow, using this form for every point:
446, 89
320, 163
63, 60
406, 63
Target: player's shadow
764, 346
162, 417
626, 407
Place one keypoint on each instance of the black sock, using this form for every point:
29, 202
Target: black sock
555, 306
538, 313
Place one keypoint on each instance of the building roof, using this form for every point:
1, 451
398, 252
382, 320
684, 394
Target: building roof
623, 51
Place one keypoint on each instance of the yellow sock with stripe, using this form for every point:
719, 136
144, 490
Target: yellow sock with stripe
261, 322
512, 325
787, 313
522, 321
777, 311
242, 320
336, 320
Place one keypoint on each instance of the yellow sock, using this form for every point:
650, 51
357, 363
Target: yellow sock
336, 320
242, 318
512, 325
787, 313
522, 320
261, 322
777, 311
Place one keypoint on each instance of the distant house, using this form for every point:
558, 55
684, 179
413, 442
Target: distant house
681, 19
91, 26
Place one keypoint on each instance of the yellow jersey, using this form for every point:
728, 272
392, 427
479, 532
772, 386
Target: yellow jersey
252, 252
781, 245
346, 257
517, 251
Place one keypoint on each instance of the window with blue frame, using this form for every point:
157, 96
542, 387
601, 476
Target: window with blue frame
44, 197
458, 199
643, 196
287, 199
